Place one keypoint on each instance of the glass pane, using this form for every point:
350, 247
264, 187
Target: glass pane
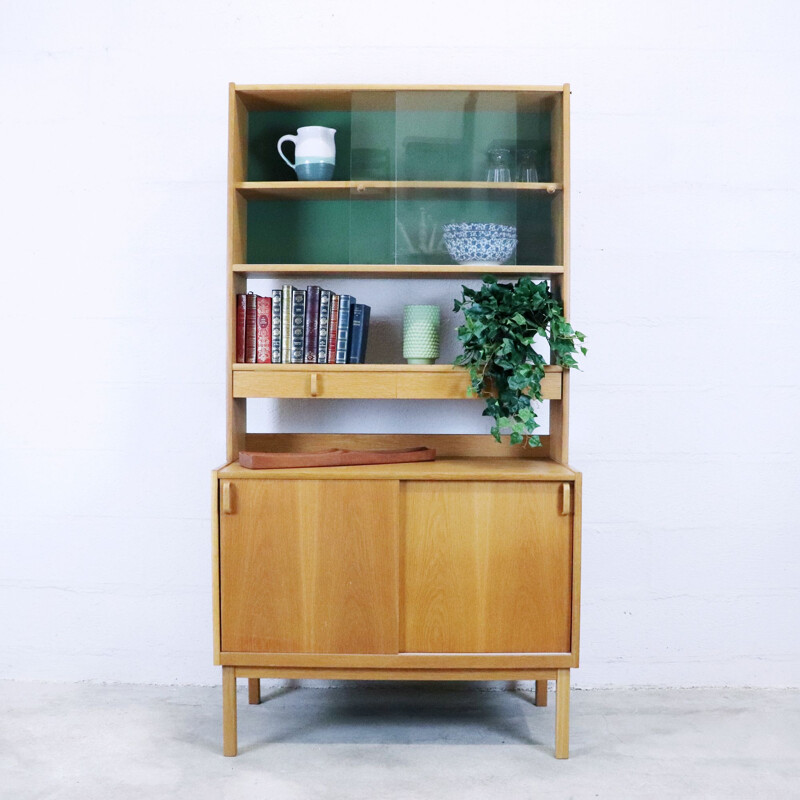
422, 215
372, 120
372, 158
446, 136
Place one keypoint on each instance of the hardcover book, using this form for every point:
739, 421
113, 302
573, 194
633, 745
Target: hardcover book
358, 334
333, 327
298, 325
263, 330
241, 317
324, 325
312, 324
250, 330
277, 316
286, 323
346, 302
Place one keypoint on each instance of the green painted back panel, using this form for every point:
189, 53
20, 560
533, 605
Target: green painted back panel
320, 232
382, 231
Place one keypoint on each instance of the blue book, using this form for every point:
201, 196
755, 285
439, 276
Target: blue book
358, 334
346, 302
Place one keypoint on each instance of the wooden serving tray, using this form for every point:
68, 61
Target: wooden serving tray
334, 458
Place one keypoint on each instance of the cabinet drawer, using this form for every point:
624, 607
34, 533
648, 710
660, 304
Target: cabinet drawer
421, 386
453, 385
313, 383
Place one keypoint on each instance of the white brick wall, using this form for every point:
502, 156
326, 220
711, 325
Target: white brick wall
685, 258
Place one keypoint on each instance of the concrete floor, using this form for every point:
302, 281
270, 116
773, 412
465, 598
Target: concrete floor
385, 741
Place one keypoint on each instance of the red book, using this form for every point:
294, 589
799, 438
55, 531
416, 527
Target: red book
333, 328
250, 330
241, 314
263, 330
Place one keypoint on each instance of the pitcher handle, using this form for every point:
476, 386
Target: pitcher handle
283, 139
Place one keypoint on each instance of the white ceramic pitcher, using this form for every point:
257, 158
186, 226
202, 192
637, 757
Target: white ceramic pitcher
314, 152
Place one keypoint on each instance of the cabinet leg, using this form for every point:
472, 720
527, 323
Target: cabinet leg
541, 693
254, 691
229, 743
562, 714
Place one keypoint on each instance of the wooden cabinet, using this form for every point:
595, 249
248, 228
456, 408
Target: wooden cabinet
465, 568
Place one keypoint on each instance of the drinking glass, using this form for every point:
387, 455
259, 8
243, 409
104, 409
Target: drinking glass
526, 167
499, 165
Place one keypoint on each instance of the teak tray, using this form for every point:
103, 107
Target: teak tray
334, 458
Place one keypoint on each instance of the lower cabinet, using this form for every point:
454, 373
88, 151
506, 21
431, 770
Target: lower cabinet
383, 566
394, 578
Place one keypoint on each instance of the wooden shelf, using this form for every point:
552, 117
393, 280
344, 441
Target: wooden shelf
331, 190
394, 270
443, 469
365, 381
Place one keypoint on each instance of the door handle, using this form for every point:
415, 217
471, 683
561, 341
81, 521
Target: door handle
226, 497
314, 390
566, 499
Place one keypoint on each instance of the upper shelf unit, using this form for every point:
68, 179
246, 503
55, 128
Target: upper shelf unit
408, 161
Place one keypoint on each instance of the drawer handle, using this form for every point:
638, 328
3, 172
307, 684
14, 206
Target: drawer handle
566, 499
314, 390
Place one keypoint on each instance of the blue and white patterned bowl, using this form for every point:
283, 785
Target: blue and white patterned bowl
480, 243
486, 228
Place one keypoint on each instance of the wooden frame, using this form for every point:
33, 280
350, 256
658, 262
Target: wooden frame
462, 458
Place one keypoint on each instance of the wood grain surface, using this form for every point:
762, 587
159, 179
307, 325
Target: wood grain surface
486, 568
310, 567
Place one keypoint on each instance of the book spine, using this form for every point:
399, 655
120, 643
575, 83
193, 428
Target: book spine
263, 330
324, 325
250, 330
343, 333
286, 324
312, 324
298, 324
241, 321
333, 327
358, 334
277, 296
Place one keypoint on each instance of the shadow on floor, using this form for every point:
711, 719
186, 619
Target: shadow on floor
377, 712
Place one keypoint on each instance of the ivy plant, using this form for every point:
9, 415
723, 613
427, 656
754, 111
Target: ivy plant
501, 324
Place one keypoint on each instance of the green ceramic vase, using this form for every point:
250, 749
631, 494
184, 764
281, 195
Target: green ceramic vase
421, 334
